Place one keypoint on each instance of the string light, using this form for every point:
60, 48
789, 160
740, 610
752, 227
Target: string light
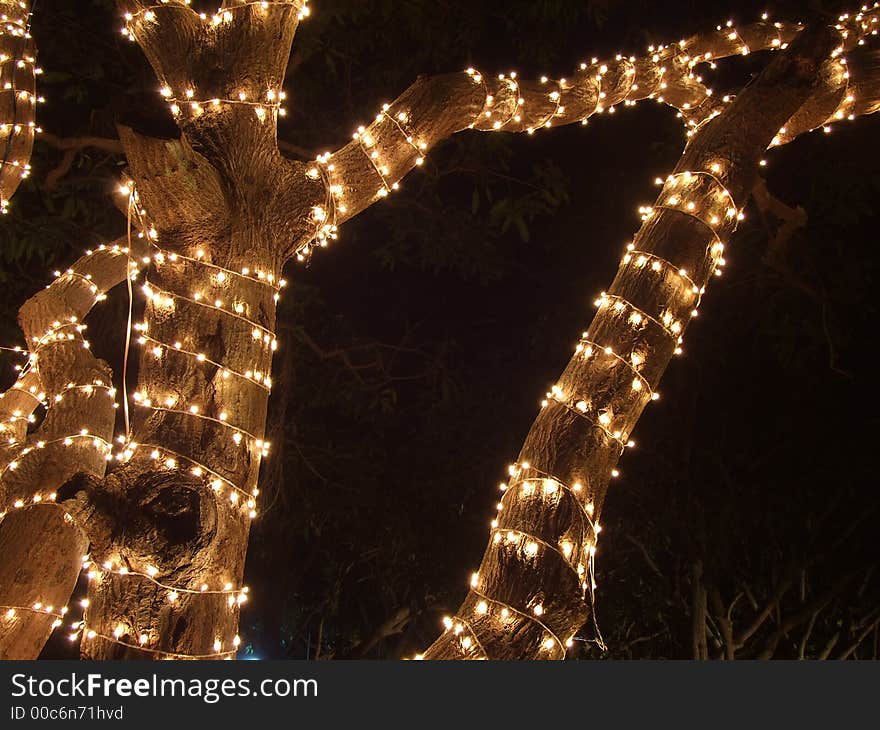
248, 274
698, 194
10, 613
666, 74
216, 481
89, 634
261, 378
84, 437
238, 595
253, 442
701, 195
26, 419
210, 285
233, 597
165, 297
18, 63
266, 105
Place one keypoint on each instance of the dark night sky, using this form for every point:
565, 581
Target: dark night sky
761, 449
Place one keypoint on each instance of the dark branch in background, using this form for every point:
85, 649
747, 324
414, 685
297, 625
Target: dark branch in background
874, 619
71, 147
791, 220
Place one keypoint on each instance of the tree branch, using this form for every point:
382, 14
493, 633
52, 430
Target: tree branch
846, 653
71, 147
178, 187
107, 144
725, 624
791, 220
538, 540
645, 554
802, 647
766, 612
76, 390
393, 625
805, 614
18, 100
433, 108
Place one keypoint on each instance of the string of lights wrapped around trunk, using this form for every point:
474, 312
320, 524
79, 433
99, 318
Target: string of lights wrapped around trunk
529, 596
217, 215
75, 390
18, 96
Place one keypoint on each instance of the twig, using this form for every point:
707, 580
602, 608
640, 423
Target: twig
803, 646
832, 642
765, 613
648, 559
859, 639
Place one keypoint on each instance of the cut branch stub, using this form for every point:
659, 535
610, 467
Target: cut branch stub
528, 598
181, 190
222, 74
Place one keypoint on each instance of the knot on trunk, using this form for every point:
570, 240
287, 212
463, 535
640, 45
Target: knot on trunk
143, 518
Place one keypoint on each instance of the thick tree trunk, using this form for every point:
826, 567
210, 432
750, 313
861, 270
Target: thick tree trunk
166, 582
174, 583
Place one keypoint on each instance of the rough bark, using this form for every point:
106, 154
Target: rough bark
18, 98
42, 548
166, 570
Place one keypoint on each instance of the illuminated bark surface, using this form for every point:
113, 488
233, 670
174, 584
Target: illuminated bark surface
18, 97
218, 213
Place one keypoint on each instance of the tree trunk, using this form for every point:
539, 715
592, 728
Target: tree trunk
529, 596
167, 580
174, 584
18, 98
41, 545
222, 212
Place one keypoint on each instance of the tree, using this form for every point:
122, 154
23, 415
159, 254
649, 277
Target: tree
216, 214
